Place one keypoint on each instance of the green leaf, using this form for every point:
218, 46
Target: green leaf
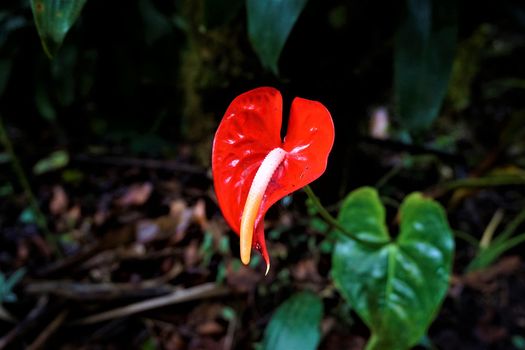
395, 285
53, 19
228, 313
269, 25
149, 344
518, 341
363, 214
7, 285
485, 257
295, 324
54, 161
13, 280
27, 216
424, 53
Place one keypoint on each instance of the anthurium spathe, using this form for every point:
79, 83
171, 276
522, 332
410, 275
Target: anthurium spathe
253, 168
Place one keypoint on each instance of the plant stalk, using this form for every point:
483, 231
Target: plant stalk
329, 218
22, 178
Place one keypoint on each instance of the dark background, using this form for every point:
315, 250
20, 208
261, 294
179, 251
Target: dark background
150, 80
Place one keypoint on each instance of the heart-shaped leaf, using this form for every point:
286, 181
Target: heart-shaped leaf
53, 18
424, 53
296, 324
269, 24
395, 285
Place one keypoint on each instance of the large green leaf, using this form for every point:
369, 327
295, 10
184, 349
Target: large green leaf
295, 324
424, 53
269, 25
396, 285
53, 18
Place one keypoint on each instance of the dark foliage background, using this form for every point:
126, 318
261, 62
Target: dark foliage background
133, 97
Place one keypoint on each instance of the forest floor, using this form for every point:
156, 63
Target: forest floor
140, 257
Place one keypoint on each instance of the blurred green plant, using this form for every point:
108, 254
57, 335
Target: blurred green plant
424, 53
489, 248
8, 283
54, 161
466, 66
53, 19
33, 206
296, 324
518, 341
269, 25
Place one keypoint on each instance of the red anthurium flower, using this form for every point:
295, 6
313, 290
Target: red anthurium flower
253, 168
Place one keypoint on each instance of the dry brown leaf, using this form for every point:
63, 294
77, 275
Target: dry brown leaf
59, 201
204, 343
175, 342
146, 231
199, 214
210, 328
136, 194
338, 340
488, 331
482, 280
177, 207
100, 217
191, 254
241, 278
306, 270
22, 252
327, 324
73, 214
204, 312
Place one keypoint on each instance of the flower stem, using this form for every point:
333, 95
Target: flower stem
22, 178
333, 221
322, 211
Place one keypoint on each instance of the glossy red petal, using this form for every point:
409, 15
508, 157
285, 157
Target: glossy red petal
249, 130
309, 139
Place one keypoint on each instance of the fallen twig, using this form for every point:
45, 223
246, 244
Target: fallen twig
70, 261
29, 322
95, 291
207, 290
143, 163
482, 279
51, 328
230, 334
475, 183
6, 316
